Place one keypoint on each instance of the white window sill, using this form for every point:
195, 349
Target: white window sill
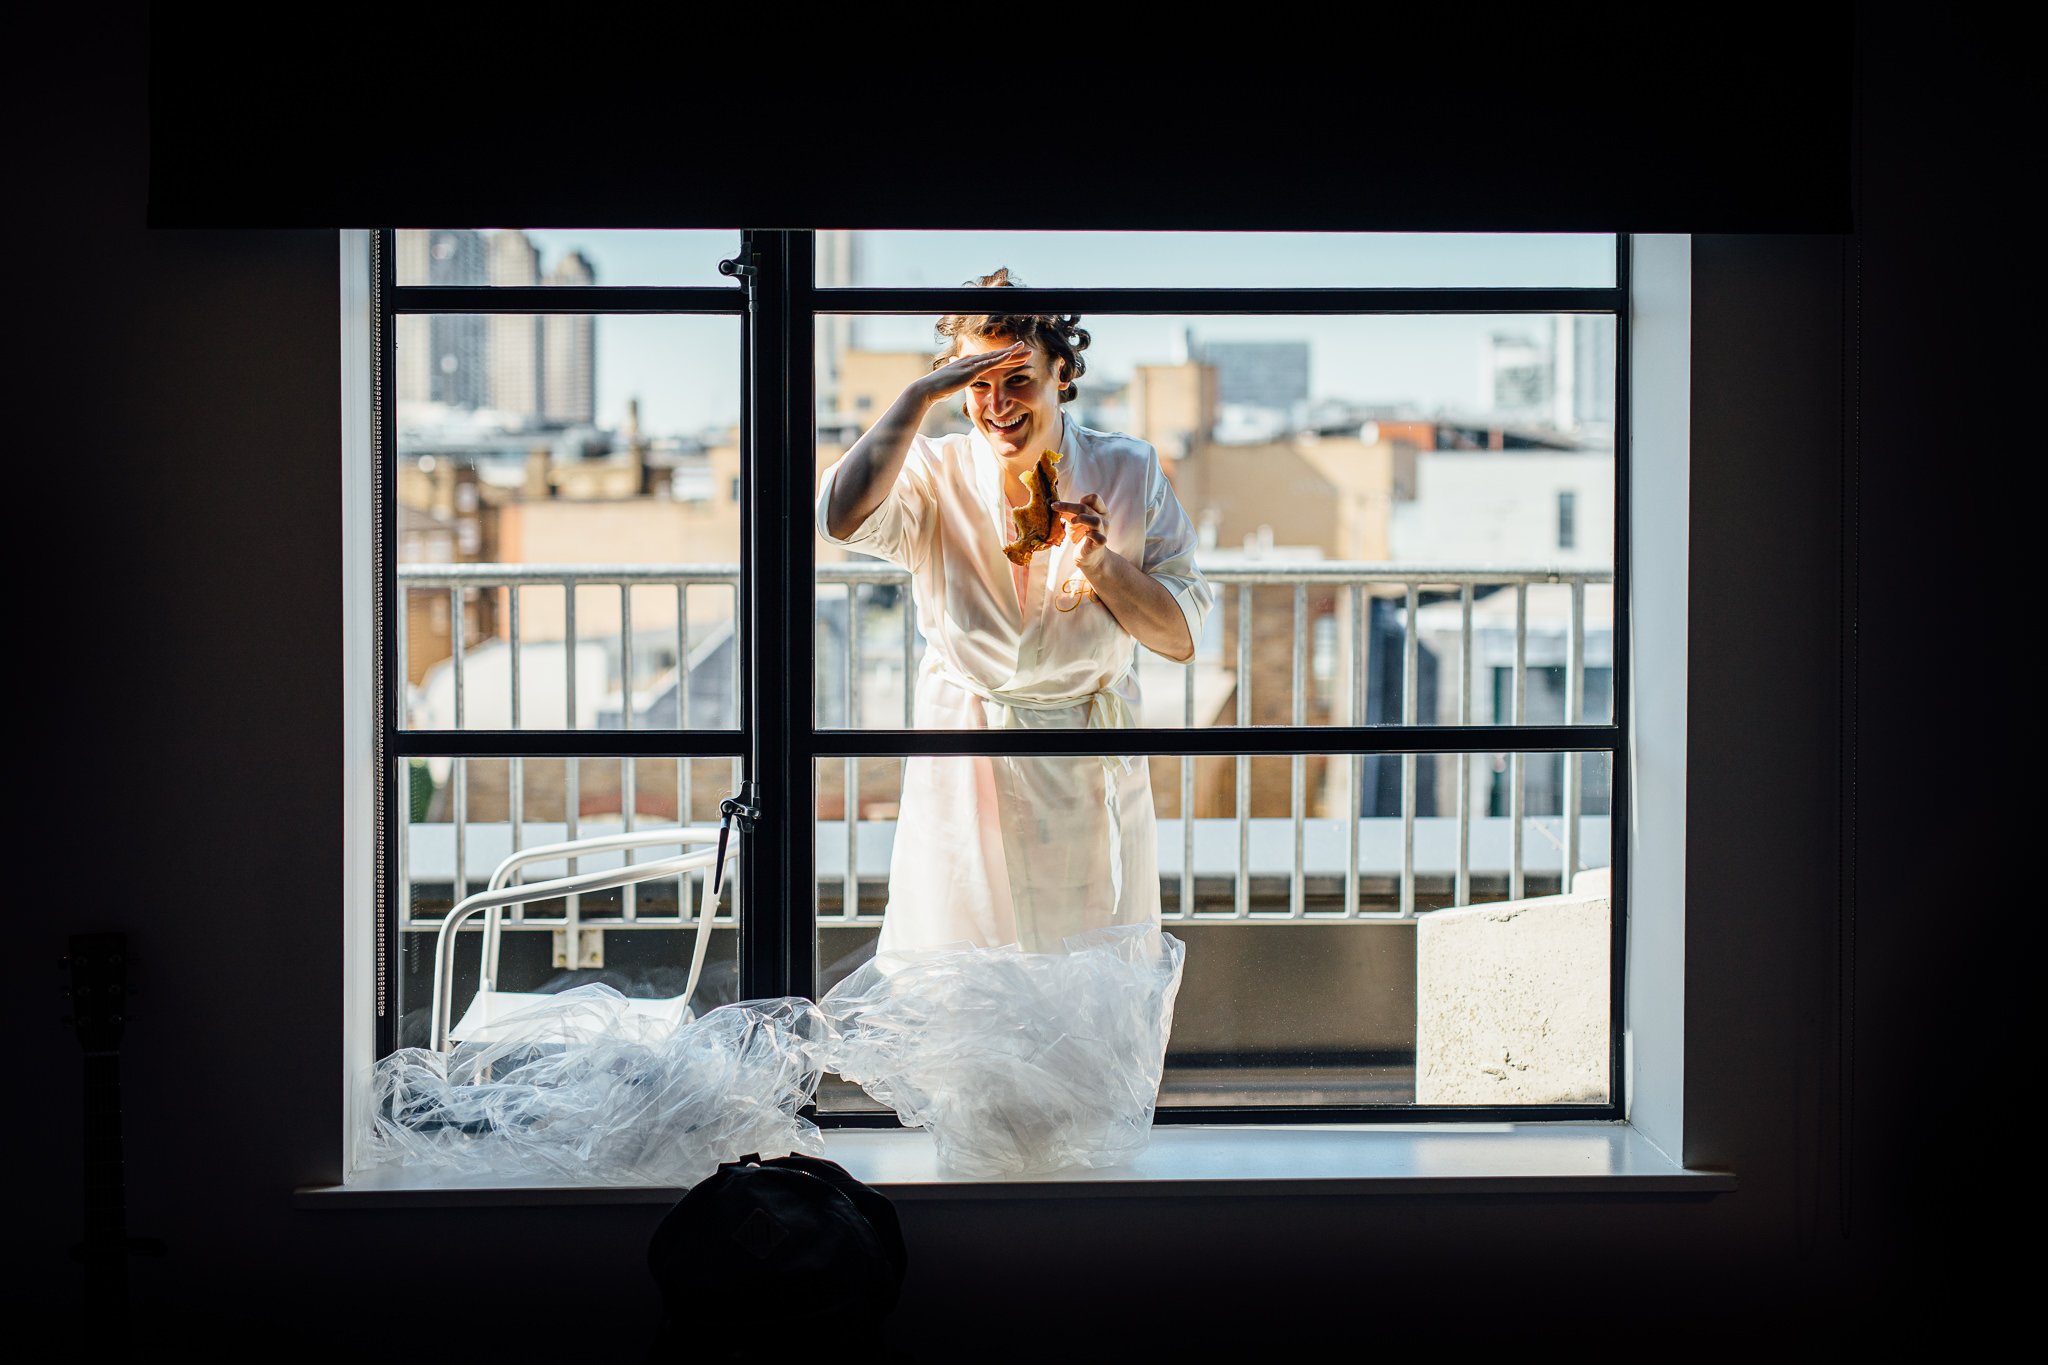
1184, 1161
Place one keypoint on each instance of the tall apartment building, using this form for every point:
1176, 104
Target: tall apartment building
534, 367
1261, 387
415, 350
1564, 381
569, 350
1582, 347
457, 344
838, 265
515, 348
1515, 377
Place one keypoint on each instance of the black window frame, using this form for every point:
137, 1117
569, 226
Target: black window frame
778, 303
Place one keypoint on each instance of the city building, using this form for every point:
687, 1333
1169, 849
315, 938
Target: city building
569, 350
458, 366
529, 369
838, 266
515, 350
1261, 387
444, 518
1515, 375
1582, 380
1555, 376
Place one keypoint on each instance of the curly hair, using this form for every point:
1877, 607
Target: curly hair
1060, 336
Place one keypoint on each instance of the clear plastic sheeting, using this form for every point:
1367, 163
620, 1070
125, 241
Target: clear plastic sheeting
1018, 1063
638, 1101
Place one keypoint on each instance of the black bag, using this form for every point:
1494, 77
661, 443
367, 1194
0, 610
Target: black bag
763, 1250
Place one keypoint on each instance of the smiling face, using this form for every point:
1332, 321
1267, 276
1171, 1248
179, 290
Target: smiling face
1017, 410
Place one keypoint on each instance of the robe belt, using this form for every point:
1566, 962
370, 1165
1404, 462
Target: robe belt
1107, 708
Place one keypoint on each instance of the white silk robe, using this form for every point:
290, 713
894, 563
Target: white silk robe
993, 851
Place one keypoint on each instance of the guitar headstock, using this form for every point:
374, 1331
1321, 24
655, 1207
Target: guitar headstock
99, 990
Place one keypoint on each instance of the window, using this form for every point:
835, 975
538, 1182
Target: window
1401, 703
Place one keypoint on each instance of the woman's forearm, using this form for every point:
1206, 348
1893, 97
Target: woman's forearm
869, 470
1142, 605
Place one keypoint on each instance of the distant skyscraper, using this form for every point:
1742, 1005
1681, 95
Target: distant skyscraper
838, 266
414, 330
460, 375
569, 350
1260, 374
442, 358
1583, 384
1261, 386
1515, 378
515, 337
1564, 381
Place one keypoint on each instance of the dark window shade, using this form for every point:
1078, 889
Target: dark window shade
1575, 123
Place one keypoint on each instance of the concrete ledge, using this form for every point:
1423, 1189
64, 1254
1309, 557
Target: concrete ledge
1512, 1000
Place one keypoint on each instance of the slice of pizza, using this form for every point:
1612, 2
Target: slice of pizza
1036, 524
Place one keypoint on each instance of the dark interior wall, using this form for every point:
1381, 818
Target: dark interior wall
188, 483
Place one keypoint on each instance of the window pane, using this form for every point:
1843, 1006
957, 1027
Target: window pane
1220, 260
568, 492
1324, 467
465, 817
578, 256
1306, 983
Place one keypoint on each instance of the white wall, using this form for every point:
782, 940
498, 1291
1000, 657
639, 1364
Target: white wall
1495, 507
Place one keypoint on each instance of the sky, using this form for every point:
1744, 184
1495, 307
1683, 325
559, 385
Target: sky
685, 370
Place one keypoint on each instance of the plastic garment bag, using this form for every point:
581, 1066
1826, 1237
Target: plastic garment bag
1018, 1063
628, 1100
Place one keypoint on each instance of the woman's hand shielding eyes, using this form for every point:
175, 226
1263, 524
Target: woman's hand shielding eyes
956, 375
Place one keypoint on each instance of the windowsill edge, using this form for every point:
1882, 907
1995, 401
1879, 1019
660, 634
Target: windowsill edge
1183, 1161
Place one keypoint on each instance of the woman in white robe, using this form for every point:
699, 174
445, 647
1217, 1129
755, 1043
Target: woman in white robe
1023, 850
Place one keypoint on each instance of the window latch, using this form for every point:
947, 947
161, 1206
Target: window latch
744, 265
733, 809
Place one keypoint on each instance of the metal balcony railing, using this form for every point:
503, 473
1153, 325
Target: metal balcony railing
857, 636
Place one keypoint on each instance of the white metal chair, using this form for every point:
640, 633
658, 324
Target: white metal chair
483, 1020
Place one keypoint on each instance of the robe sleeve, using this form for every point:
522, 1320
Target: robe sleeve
901, 529
1170, 552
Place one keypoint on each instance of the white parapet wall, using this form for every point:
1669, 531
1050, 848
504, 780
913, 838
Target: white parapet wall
1511, 1000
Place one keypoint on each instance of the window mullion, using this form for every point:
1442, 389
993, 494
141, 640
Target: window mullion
779, 918
567, 743
391, 816
570, 299
1279, 302
1227, 740
1620, 806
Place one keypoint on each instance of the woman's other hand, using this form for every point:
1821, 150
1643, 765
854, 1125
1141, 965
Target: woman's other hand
1141, 604
1088, 523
